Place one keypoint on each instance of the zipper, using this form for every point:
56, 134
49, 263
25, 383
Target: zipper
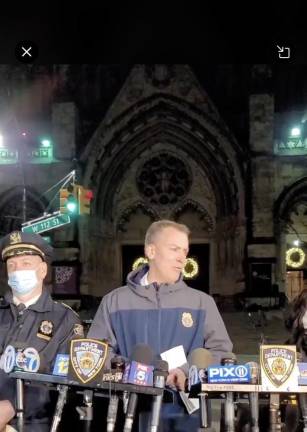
159, 315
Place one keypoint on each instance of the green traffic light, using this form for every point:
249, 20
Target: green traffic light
71, 204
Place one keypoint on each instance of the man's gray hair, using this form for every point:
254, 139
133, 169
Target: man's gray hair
158, 226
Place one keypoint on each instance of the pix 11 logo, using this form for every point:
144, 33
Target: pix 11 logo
229, 374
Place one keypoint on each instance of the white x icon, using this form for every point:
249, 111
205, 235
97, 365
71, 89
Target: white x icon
26, 51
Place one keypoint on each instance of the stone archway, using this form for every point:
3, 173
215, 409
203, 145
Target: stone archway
155, 119
290, 224
11, 208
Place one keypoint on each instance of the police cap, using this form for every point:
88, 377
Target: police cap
19, 243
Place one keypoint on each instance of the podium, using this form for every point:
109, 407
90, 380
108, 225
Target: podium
62, 384
272, 397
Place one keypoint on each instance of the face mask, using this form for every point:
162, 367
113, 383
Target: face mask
22, 281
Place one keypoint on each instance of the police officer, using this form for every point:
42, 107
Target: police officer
29, 316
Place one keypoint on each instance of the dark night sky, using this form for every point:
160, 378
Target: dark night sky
228, 32
93, 89
219, 42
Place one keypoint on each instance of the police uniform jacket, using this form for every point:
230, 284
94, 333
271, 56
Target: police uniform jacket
48, 327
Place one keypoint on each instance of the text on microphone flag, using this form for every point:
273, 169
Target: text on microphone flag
87, 358
138, 373
61, 364
22, 359
229, 374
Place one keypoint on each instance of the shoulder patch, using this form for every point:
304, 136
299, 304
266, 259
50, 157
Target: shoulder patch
78, 330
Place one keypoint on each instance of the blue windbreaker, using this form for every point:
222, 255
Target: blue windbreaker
162, 316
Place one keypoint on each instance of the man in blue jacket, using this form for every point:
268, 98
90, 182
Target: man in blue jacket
157, 308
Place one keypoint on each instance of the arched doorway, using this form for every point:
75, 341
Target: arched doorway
291, 231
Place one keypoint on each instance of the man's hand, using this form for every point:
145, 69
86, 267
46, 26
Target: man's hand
176, 379
7, 412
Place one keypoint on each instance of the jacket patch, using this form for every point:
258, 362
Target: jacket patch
186, 319
45, 330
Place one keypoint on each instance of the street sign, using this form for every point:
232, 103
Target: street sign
46, 224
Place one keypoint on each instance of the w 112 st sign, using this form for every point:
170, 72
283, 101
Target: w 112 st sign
45, 224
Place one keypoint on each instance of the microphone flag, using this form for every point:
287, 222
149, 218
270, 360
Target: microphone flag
87, 358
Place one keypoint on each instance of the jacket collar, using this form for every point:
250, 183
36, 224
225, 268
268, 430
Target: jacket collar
134, 281
43, 304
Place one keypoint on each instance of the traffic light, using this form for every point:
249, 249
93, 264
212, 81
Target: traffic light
85, 198
75, 200
69, 200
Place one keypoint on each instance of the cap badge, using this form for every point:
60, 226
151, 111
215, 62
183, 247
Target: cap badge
15, 237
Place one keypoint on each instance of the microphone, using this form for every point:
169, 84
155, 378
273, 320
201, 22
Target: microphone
200, 359
117, 367
116, 373
141, 357
19, 356
230, 359
159, 380
138, 371
253, 397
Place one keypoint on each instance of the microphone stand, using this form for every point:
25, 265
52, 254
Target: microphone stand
229, 413
303, 406
19, 405
63, 389
205, 418
254, 398
86, 412
275, 421
229, 401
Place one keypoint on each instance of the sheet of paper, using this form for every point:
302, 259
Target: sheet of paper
191, 404
175, 357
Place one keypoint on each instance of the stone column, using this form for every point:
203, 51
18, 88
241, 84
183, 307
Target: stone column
262, 248
281, 266
262, 164
100, 257
64, 126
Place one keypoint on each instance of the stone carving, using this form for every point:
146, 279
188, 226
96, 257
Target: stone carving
160, 75
190, 205
131, 210
164, 179
298, 215
136, 84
